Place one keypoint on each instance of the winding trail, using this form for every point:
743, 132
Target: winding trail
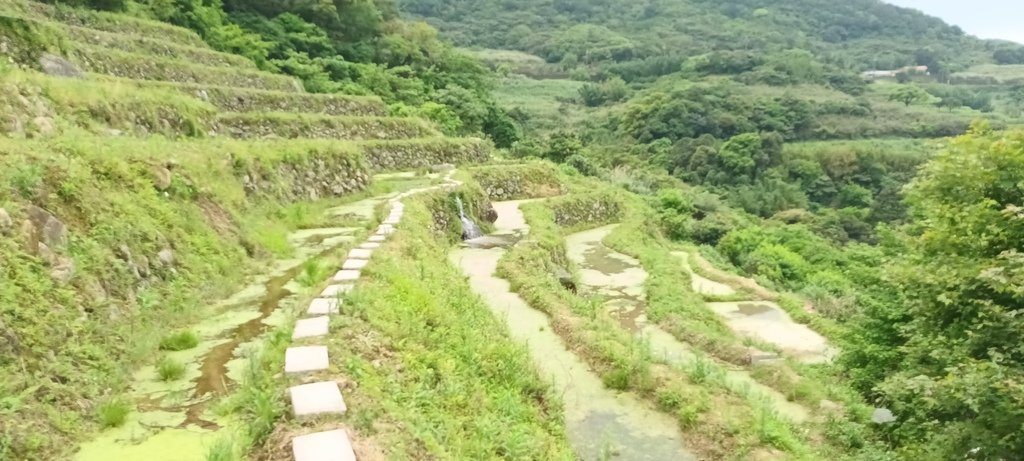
601, 423
621, 277
175, 420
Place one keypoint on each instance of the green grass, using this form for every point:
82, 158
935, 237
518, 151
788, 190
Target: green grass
541, 100
313, 273
113, 412
179, 341
223, 449
432, 357
169, 369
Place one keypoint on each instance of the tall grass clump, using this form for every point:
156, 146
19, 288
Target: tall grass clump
113, 412
180, 341
169, 369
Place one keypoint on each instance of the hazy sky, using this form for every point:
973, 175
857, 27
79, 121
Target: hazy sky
984, 18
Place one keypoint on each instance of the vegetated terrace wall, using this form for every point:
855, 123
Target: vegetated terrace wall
519, 181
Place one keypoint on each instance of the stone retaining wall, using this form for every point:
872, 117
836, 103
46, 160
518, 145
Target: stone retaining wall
517, 182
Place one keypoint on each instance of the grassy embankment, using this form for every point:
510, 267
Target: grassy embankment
427, 371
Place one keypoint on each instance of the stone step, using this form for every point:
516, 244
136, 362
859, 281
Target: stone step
317, 399
346, 275
360, 253
376, 239
333, 291
371, 245
316, 326
354, 264
302, 359
324, 305
323, 446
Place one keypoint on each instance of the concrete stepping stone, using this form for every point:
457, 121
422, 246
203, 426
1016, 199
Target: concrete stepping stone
305, 358
317, 398
323, 446
391, 221
346, 275
354, 264
360, 253
310, 328
376, 238
323, 306
369, 245
333, 291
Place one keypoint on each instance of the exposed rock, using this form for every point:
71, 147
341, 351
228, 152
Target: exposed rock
115, 132
142, 266
162, 178
43, 126
46, 254
166, 257
759, 357
565, 278
123, 253
829, 406
58, 66
63, 271
9, 342
5, 222
46, 228
490, 214
882, 416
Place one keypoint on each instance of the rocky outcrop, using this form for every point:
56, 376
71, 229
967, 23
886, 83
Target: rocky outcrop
57, 66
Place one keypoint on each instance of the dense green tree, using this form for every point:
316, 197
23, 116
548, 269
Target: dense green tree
908, 94
959, 390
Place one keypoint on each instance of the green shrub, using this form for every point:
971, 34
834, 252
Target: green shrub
169, 369
113, 412
179, 341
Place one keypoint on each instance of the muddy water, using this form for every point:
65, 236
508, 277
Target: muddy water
176, 421
768, 322
764, 320
607, 272
598, 421
701, 284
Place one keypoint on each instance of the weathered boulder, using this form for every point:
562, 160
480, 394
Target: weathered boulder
43, 227
55, 65
161, 178
43, 127
166, 257
6, 223
565, 278
63, 270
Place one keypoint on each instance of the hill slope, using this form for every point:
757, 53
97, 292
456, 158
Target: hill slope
858, 34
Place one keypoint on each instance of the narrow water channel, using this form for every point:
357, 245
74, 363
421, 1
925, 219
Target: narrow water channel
621, 278
601, 423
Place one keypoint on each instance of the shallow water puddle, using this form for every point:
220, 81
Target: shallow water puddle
600, 266
700, 284
768, 322
598, 421
763, 320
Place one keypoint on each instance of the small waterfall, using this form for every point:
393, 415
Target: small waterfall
469, 228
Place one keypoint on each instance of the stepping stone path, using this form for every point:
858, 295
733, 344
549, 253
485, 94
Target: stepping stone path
324, 398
